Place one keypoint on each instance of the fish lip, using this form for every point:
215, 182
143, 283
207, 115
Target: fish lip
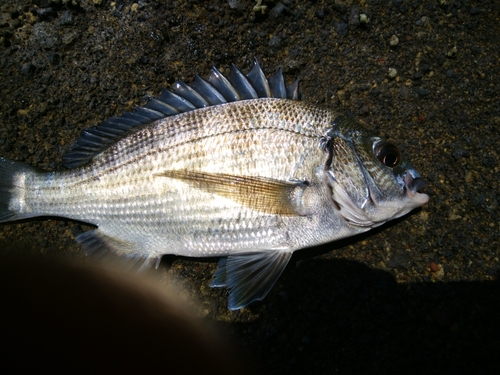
416, 184
413, 183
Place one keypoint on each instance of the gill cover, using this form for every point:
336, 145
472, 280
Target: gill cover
370, 181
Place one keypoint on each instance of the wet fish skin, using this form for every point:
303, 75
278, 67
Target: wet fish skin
183, 218
250, 180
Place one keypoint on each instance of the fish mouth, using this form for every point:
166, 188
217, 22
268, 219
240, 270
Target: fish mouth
413, 183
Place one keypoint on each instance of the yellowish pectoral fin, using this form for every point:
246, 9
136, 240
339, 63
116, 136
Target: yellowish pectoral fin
259, 193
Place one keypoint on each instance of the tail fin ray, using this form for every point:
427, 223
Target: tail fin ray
12, 176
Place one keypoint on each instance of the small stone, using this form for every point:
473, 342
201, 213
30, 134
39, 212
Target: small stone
143, 60
438, 274
258, 7
275, 41
392, 73
425, 69
53, 58
46, 14
473, 11
363, 18
65, 19
70, 37
277, 10
354, 16
452, 52
421, 92
341, 28
451, 74
460, 153
27, 69
43, 3
393, 42
404, 92
433, 267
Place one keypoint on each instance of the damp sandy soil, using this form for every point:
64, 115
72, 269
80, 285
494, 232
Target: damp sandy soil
419, 294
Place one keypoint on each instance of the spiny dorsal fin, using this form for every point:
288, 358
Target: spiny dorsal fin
217, 89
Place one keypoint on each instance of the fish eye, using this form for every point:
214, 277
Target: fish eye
387, 154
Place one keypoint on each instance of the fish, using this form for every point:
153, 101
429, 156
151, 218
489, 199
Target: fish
234, 167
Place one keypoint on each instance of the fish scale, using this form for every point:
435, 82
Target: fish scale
251, 180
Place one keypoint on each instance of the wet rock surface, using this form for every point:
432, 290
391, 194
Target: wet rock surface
419, 294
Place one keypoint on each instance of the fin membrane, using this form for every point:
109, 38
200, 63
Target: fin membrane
250, 276
217, 89
100, 246
12, 177
259, 193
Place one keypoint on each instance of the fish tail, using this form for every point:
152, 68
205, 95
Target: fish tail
12, 190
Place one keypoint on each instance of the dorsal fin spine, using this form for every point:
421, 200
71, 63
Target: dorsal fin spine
217, 89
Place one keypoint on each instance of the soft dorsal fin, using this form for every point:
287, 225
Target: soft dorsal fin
217, 89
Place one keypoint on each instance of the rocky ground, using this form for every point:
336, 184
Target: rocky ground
420, 294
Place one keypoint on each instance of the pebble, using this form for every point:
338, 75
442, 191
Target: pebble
236, 4
65, 19
274, 41
450, 74
354, 16
277, 10
341, 28
421, 92
27, 69
433, 266
438, 147
392, 73
394, 41
438, 274
452, 52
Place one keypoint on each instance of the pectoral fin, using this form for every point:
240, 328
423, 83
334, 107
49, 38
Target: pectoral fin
250, 276
259, 193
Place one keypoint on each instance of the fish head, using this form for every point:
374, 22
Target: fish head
370, 181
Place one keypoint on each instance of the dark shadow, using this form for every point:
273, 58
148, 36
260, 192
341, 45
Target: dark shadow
339, 316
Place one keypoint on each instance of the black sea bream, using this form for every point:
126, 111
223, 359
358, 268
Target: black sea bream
234, 167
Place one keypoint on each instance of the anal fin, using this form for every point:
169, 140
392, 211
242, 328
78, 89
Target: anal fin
250, 276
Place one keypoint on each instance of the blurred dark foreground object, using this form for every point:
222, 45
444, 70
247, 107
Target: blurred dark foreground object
78, 318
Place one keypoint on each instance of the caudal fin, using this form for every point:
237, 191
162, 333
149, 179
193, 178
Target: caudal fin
12, 177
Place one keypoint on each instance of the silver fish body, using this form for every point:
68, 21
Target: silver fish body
250, 180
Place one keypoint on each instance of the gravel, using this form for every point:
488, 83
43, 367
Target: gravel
420, 294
